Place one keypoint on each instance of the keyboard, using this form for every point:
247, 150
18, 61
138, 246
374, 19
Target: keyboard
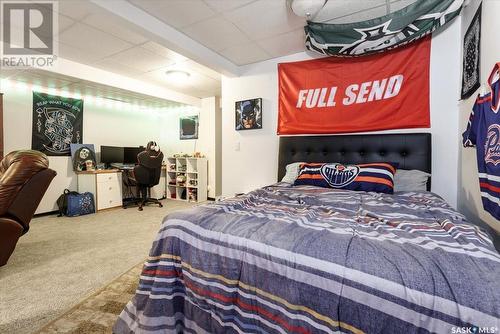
122, 166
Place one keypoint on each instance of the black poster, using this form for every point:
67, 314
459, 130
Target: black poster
470, 70
57, 122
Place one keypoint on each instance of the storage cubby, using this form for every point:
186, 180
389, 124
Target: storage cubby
187, 179
181, 165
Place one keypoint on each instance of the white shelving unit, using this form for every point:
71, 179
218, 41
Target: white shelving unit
187, 179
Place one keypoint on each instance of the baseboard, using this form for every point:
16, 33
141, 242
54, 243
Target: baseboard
46, 213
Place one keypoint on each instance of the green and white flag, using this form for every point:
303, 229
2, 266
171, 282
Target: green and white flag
383, 33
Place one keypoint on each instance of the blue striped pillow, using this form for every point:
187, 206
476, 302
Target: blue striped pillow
377, 176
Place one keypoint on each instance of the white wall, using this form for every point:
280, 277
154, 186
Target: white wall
102, 125
209, 128
469, 200
209, 143
255, 163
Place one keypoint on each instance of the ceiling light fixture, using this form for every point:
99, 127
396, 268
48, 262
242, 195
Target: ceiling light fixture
307, 8
178, 75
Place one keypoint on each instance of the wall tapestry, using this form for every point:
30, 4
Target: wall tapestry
383, 33
336, 95
188, 127
470, 68
248, 114
57, 122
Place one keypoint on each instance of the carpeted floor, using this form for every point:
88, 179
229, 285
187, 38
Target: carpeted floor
63, 260
98, 313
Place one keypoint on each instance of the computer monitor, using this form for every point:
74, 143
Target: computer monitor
130, 154
110, 154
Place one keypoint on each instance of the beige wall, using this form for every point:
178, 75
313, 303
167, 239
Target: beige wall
469, 199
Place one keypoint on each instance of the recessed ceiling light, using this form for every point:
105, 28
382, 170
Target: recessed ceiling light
178, 75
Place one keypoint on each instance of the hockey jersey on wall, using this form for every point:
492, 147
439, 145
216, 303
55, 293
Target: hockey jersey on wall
483, 131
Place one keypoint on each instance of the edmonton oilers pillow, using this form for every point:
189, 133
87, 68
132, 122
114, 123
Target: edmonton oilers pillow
377, 176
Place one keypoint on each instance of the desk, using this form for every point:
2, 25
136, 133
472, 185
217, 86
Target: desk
105, 185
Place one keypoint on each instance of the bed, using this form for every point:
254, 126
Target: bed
304, 259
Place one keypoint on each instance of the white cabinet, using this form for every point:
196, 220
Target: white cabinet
187, 179
105, 185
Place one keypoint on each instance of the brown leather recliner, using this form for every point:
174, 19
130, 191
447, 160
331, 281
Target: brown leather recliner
24, 178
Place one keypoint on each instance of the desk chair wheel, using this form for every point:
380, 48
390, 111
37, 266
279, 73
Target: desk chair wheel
140, 208
161, 205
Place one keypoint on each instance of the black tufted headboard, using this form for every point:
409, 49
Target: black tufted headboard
410, 150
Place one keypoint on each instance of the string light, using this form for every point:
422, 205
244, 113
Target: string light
21, 85
155, 109
5, 83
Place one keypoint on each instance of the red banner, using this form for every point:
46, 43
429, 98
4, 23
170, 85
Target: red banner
336, 95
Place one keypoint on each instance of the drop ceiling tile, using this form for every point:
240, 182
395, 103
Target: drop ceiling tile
115, 67
159, 77
163, 51
339, 8
140, 59
177, 13
92, 41
226, 5
216, 33
200, 76
361, 16
245, 54
78, 55
194, 66
264, 18
77, 9
114, 26
64, 23
203, 82
284, 44
193, 86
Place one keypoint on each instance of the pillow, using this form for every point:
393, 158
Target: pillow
292, 171
410, 180
378, 177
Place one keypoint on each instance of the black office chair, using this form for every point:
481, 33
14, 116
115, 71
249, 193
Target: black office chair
146, 175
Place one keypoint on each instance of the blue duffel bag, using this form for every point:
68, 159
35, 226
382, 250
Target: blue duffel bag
72, 203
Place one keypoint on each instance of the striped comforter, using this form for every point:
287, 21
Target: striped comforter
312, 260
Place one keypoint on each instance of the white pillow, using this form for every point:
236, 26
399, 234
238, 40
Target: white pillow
292, 172
410, 180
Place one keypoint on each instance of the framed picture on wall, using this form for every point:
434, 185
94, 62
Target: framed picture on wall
188, 127
248, 114
83, 156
